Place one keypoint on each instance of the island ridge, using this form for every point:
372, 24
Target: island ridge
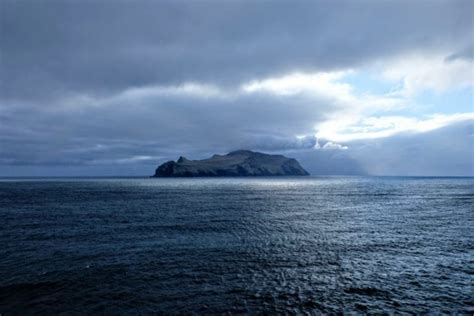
240, 163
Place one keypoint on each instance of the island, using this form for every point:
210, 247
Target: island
240, 163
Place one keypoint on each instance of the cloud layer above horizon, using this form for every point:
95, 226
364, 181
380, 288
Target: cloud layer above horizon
346, 87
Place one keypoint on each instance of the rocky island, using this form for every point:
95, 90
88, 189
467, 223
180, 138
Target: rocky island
240, 163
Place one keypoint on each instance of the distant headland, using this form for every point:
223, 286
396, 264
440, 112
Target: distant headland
240, 163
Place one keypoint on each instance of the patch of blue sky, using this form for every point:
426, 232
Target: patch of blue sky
369, 82
460, 100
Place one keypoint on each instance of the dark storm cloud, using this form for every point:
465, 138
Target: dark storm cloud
149, 126
54, 47
465, 53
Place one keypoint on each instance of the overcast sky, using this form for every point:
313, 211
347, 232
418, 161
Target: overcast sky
346, 87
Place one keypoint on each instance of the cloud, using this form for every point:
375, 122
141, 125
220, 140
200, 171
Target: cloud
464, 53
52, 48
191, 117
333, 146
325, 83
348, 129
437, 73
144, 125
152, 123
131, 84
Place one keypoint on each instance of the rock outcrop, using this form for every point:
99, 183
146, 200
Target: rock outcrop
240, 163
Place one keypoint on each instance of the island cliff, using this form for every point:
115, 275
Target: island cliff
240, 163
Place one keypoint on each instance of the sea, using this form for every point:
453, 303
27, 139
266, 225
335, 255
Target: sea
304, 246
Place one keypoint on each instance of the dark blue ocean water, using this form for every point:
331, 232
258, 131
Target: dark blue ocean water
287, 245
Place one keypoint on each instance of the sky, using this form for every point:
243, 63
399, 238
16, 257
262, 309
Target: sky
115, 88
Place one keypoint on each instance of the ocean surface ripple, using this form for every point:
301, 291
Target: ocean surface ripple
315, 245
